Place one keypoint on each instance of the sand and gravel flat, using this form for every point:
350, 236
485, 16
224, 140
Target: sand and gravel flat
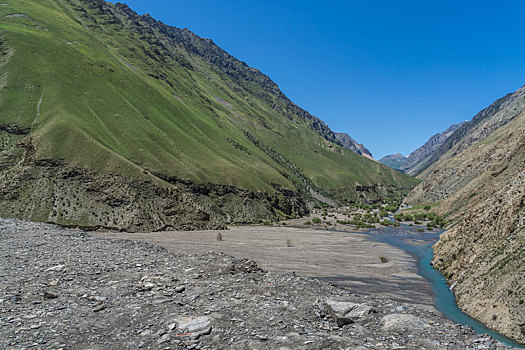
350, 259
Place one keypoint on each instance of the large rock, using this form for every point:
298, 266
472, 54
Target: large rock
192, 324
345, 312
402, 321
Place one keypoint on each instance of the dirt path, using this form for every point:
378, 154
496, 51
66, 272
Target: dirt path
349, 259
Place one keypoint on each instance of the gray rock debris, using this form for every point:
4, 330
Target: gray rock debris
403, 321
122, 294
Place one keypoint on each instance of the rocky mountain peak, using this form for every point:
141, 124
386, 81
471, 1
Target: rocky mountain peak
349, 143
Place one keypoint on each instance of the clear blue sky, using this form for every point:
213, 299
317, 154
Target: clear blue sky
389, 73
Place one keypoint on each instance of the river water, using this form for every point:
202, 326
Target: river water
419, 245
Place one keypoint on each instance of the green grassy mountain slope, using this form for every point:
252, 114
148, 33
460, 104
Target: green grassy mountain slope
480, 185
112, 119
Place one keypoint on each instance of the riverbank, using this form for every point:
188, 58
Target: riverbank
66, 289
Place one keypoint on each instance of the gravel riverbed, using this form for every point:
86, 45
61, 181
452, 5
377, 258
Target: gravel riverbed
64, 289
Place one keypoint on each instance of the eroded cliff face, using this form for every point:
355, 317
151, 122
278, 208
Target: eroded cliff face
480, 186
484, 255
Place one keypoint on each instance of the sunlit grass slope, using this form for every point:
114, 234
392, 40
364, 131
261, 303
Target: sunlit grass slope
100, 87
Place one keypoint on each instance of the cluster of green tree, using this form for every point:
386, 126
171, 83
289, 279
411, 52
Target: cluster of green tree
435, 220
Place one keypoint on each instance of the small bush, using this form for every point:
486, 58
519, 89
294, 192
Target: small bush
520, 302
266, 222
316, 220
289, 243
427, 207
308, 222
420, 230
383, 259
219, 236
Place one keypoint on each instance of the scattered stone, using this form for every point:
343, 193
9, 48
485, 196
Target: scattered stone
402, 321
192, 323
345, 312
50, 295
241, 308
99, 307
56, 268
164, 339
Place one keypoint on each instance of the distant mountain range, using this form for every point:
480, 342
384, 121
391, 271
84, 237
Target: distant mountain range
114, 120
476, 177
421, 158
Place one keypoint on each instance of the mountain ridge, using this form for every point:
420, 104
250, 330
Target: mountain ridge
478, 183
349, 143
99, 102
419, 159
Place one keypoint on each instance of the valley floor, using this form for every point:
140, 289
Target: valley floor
65, 289
348, 258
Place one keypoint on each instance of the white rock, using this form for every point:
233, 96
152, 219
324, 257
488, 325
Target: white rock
56, 268
192, 323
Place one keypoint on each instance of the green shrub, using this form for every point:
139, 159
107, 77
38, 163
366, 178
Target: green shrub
316, 220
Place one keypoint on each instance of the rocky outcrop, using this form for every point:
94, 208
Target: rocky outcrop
65, 289
56, 192
352, 145
480, 185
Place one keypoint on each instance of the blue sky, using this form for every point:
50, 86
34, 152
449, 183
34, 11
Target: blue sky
389, 73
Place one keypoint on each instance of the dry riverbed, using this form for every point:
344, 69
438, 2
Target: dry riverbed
349, 258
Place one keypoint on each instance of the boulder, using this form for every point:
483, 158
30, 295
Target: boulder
193, 324
346, 312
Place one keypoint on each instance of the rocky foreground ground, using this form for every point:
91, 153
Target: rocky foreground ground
64, 289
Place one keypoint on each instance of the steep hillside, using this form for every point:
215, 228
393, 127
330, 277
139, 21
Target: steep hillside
417, 161
480, 183
349, 143
117, 120
420, 159
481, 126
